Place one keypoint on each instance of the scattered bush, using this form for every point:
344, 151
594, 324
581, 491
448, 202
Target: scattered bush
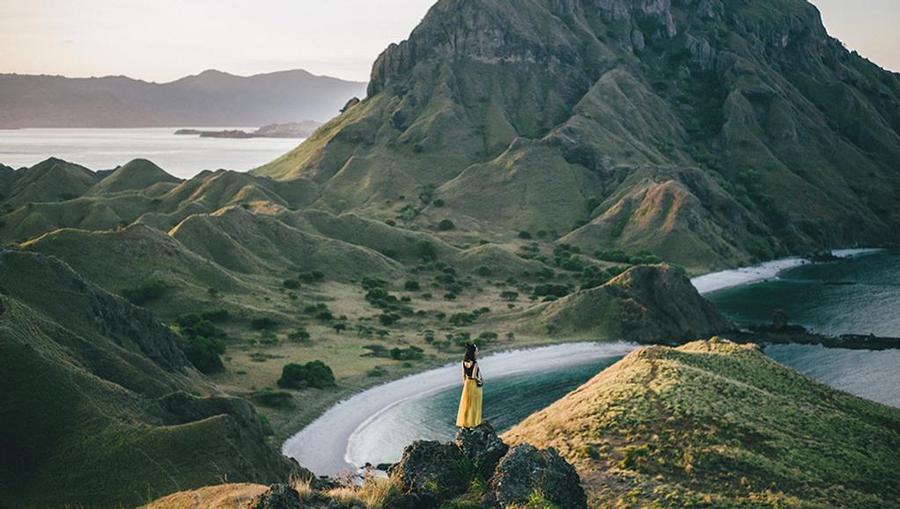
291, 284
407, 354
484, 271
299, 336
509, 296
426, 250
446, 225
524, 235
204, 353
412, 286
388, 319
314, 374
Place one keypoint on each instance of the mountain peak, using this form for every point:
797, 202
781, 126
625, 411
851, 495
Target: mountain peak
681, 128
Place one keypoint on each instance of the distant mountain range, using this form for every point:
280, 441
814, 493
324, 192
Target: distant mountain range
210, 99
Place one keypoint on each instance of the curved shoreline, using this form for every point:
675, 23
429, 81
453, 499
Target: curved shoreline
324, 445
721, 280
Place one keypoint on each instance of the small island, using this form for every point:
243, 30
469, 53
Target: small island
289, 130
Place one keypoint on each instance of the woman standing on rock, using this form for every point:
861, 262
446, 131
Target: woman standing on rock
469, 415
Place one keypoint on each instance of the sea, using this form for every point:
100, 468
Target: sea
103, 149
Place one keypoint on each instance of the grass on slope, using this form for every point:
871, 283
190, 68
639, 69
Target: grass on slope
714, 424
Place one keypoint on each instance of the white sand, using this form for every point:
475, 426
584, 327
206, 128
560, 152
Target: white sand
322, 446
763, 272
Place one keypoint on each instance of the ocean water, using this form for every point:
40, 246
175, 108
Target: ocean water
857, 295
507, 401
104, 149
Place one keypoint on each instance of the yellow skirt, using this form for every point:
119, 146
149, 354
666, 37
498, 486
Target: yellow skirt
469, 415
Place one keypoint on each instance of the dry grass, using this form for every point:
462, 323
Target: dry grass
224, 496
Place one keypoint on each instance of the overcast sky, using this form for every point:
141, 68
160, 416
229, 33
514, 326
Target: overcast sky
161, 40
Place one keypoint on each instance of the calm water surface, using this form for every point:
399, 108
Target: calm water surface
859, 295
507, 401
103, 149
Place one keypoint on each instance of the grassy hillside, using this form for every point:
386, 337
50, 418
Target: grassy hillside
715, 424
101, 407
711, 133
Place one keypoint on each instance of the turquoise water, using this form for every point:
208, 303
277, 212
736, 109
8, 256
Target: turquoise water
507, 401
855, 296
859, 295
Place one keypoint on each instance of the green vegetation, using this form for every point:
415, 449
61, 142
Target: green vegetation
315, 374
715, 424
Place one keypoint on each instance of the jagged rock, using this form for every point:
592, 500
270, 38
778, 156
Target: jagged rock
351, 103
429, 473
279, 496
482, 447
526, 471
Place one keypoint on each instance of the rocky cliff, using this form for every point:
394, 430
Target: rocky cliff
710, 132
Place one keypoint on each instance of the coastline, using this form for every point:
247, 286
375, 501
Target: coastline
315, 445
730, 278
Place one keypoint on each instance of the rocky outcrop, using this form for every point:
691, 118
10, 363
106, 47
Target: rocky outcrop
527, 472
429, 473
482, 447
646, 303
432, 473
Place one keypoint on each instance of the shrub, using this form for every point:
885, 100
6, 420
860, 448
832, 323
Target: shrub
407, 354
263, 324
462, 319
314, 374
412, 286
446, 225
484, 271
388, 319
438, 203
524, 235
339, 327
509, 296
426, 250
291, 284
204, 353
369, 283
145, 293
299, 336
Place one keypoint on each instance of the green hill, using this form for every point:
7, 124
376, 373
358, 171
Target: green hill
645, 303
49, 181
715, 424
138, 174
711, 133
101, 408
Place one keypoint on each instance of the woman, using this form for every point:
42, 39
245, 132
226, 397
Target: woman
469, 415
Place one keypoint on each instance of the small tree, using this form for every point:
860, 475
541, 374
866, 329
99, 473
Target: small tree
299, 336
314, 374
339, 327
446, 225
509, 296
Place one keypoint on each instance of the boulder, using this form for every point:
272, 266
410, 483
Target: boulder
430, 473
482, 447
526, 471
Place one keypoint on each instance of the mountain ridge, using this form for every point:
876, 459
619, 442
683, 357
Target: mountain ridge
211, 99
753, 104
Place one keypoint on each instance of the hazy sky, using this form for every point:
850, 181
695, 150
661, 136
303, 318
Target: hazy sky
161, 40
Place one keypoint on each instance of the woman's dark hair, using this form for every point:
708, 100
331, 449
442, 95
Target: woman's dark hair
470, 352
